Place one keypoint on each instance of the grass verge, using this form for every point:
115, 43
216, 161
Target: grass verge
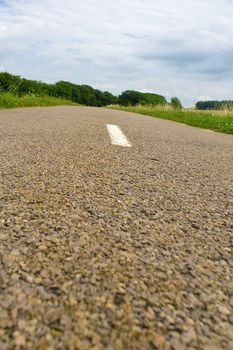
8, 100
202, 119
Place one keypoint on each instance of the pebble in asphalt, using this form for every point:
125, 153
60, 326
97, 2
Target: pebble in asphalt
106, 247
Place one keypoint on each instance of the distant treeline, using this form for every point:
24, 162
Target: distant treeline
215, 105
87, 95
82, 94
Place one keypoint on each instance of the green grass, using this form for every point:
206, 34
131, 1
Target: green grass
217, 121
8, 100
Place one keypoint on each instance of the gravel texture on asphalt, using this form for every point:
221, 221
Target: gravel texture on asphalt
106, 247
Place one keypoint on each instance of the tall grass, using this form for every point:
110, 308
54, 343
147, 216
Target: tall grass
221, 121
9, 100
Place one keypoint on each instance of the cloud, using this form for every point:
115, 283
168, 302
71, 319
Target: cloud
172, 47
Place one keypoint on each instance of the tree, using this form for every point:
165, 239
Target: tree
175, 103
87, 95
109, 99
9, 82
129, 98
133, 98
63, 89
152, 99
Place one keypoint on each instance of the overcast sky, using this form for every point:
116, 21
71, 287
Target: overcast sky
178, 48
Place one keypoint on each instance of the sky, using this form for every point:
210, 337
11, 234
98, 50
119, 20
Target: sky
178, 48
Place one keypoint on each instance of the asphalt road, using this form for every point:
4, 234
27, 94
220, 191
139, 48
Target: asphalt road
110, 247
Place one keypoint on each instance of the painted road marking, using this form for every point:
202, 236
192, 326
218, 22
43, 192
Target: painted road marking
117, 136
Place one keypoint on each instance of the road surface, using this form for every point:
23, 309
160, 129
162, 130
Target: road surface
114, 246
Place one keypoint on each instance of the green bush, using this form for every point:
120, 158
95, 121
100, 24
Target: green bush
133, 98
175, 103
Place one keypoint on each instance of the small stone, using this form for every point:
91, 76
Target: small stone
150, 314
19, 339
159, 341
188, 336
176, 345
42, 247
22, 324
224, 310
29, 279
190, 322
175, 342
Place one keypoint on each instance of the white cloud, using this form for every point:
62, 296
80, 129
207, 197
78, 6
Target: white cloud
173, 47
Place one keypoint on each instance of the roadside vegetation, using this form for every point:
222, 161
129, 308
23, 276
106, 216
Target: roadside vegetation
63, 90
9, 100
221, 121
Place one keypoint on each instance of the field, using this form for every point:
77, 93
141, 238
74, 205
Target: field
8, 100
221, 121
